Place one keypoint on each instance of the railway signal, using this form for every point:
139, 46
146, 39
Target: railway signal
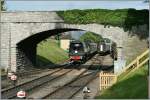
86, 92
14, 79
9, 74
21, 94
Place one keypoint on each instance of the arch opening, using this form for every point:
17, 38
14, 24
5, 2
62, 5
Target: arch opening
26, 49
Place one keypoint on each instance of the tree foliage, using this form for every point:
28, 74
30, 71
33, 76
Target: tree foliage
2, 5
119, 17
92, 37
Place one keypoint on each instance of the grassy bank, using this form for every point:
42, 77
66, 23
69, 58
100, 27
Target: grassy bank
48, 52
134, 85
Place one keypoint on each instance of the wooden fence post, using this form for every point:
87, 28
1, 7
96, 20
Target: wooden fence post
137, 62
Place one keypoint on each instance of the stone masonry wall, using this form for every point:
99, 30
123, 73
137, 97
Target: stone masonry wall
4, 45
17, 26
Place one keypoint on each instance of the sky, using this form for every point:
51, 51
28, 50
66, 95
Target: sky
45, 5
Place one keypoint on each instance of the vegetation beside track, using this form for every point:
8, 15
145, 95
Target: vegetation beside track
132, 85
90, 36
48, 52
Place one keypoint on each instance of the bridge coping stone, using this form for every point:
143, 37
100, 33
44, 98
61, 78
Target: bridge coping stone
30, 16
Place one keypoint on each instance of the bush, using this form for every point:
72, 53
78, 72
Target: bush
92, 37
121, 17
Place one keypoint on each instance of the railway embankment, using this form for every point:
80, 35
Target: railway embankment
48, 52
129, 85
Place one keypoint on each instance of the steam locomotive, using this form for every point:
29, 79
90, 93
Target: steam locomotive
80, 51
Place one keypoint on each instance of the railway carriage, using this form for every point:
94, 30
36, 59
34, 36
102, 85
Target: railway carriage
93, 47
104, 46
107, 46
101, 48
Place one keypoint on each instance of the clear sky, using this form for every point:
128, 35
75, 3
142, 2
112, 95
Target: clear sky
16, 5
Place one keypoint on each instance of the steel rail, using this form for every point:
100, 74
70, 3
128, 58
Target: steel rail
11, 92
72, 87
71, 82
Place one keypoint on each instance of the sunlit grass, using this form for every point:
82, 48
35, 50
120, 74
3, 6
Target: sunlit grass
48, 52
133, 86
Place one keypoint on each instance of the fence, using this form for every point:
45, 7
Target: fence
138, 62
108, 79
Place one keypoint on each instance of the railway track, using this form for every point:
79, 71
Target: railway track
71, 88
75, 85
7, 83
31, 72
4, 77
11, 92
27, 75
32, 84
21, 75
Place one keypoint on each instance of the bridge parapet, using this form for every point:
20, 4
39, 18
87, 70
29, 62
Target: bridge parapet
30, 17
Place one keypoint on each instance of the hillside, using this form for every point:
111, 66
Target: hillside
48, 52
133, 86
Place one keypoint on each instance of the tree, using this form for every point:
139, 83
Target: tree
146, 1
90, 37
2, 5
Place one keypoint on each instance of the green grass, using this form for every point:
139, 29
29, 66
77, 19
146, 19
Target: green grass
133, 86
48, 52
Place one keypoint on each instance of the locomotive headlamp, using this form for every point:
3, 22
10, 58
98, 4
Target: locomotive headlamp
76, 51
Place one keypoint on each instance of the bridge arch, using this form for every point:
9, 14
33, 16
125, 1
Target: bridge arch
30, 34
18, 26
26, 48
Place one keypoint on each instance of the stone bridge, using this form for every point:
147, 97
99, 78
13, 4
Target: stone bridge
22, 31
